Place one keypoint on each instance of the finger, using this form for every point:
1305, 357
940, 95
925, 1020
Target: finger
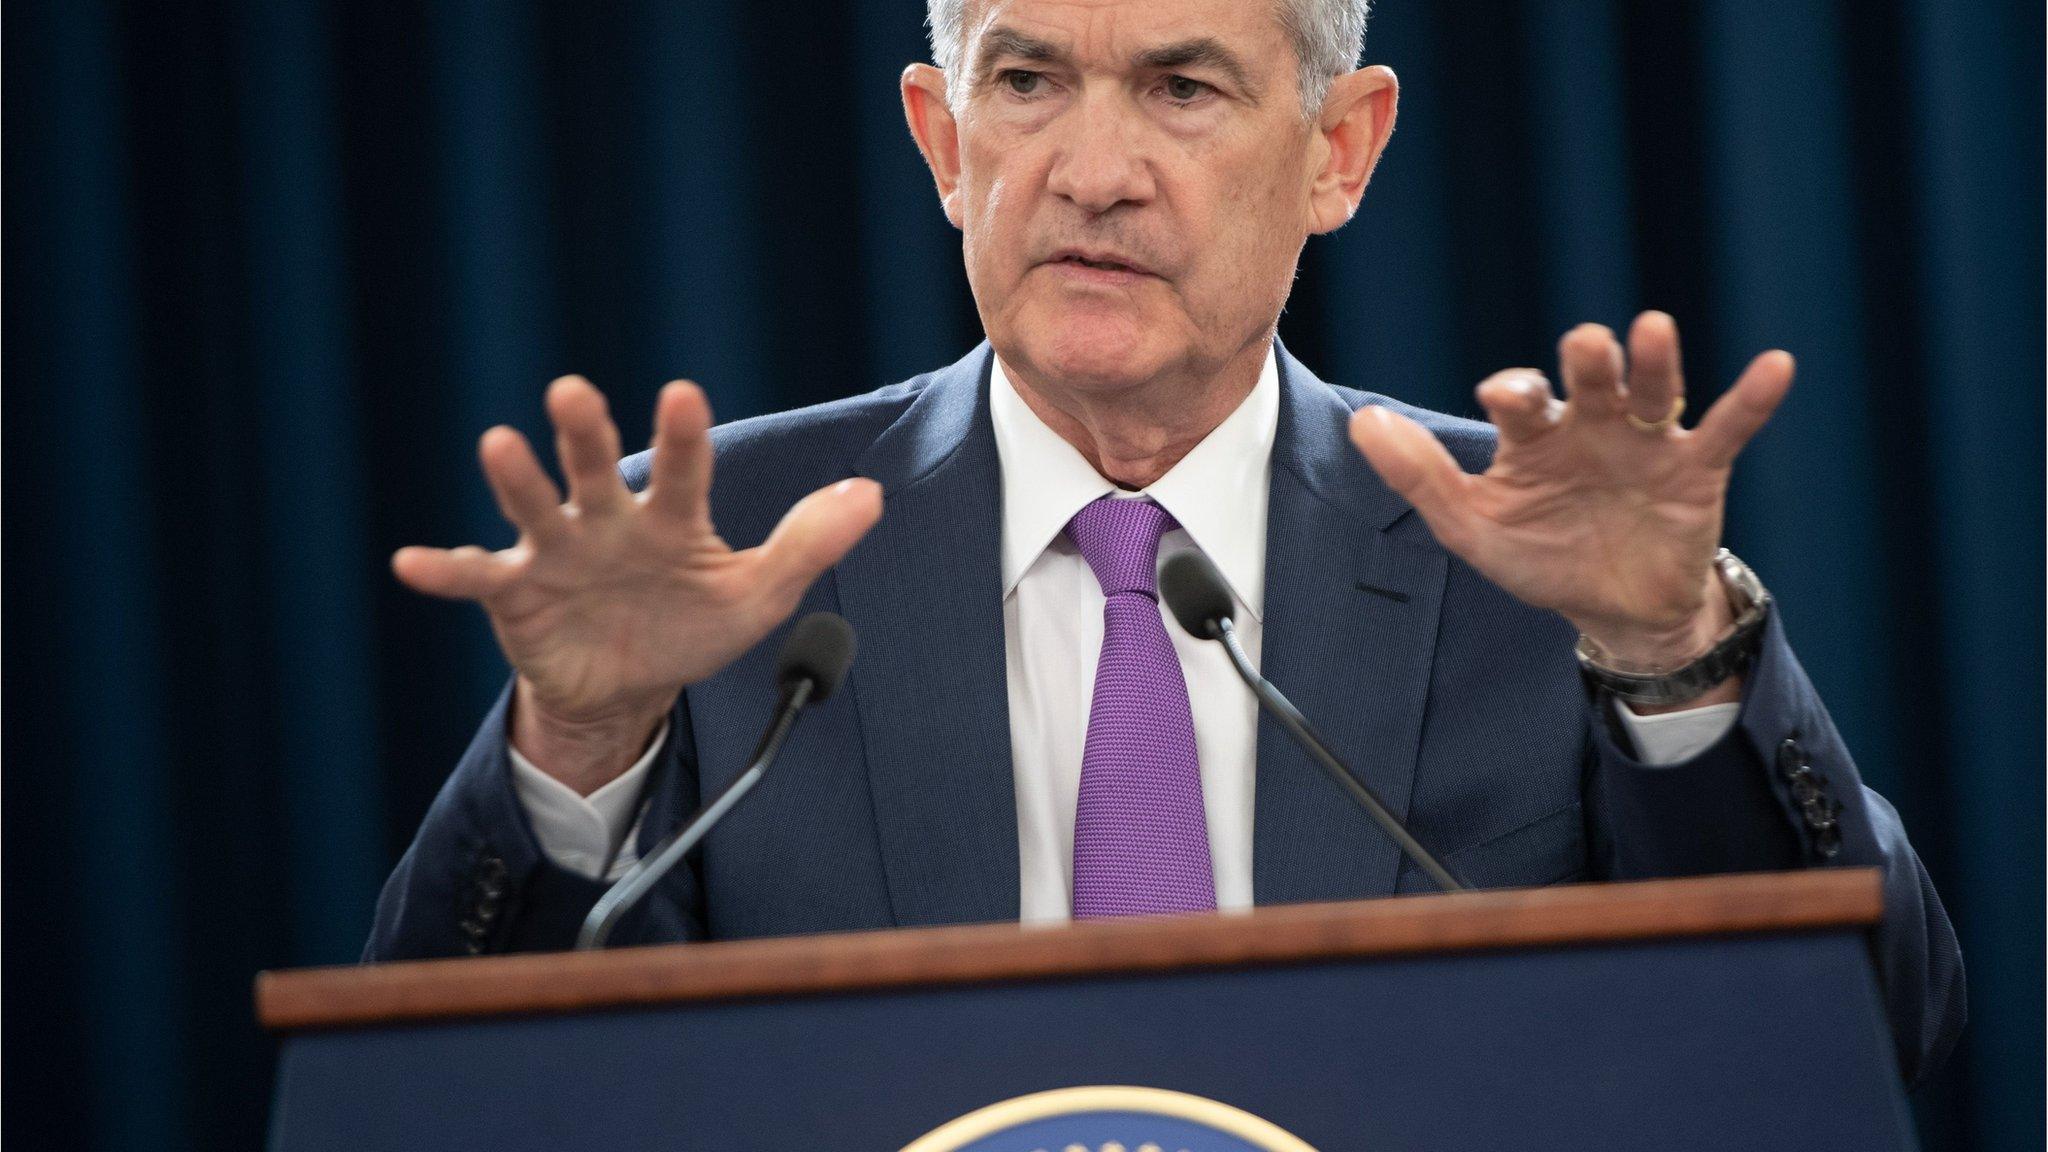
1737, 416
1656, 376
525, 494
1589, 360
1520, 404
466, 573
679, 479
587, 443
1418, 467
814, 535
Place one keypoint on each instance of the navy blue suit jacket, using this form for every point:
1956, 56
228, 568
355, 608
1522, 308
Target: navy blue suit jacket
893, 803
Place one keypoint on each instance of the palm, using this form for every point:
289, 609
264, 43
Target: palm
1591, 520
613, 602
1608, 523
591, 618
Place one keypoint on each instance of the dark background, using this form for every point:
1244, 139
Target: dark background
271, 266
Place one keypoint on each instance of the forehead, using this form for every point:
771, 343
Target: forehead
1110, 32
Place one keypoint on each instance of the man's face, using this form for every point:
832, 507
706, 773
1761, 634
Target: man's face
1134, 182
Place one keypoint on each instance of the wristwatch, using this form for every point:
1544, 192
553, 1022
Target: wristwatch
1728, 657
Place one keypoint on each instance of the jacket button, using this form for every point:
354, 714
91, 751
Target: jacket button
1791, 757
488, 876
1804, 787
1828, 841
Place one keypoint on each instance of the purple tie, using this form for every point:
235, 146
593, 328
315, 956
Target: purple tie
1141, 838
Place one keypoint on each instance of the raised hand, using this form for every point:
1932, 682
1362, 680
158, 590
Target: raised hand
1610, 521
612, 603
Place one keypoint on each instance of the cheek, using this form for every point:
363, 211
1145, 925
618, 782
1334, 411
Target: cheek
1265, 198
995, 207
1250, 230
1000, 203
1246, 234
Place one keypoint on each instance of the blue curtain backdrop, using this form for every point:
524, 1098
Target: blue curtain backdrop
272, 265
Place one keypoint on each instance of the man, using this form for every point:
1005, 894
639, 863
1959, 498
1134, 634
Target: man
1025, 734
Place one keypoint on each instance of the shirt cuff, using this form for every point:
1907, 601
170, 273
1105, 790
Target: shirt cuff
1675, 737
584, 833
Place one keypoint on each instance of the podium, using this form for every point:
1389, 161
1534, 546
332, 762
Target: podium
1734, 1012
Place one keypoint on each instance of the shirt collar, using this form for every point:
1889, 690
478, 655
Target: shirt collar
1217, 491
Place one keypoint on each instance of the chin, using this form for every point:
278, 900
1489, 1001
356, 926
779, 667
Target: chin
1095, 349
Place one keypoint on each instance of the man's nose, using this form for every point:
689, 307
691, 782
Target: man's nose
1101, 160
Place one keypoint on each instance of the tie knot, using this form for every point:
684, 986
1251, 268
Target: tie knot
1120, 541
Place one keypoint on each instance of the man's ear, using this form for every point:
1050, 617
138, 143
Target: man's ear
936, 133
1352, 131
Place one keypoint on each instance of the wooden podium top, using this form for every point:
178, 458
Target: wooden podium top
532, 984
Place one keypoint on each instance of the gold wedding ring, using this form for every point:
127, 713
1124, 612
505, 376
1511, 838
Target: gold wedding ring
1659, 427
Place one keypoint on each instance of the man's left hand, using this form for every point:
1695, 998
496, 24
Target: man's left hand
1608, 521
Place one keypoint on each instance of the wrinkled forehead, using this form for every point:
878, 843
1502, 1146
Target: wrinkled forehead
1117, 35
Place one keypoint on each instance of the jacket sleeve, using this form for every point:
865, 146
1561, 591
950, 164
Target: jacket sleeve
1779, 791
475, 880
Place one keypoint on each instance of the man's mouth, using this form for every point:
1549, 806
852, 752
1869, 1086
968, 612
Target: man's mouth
1112, 265
1105, 265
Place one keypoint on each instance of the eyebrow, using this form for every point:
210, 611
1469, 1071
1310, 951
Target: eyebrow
1004, 42
1205, 51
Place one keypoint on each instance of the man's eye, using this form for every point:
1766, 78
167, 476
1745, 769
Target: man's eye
1021, 82
1182, 89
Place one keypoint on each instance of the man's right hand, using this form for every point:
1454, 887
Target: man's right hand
612, 603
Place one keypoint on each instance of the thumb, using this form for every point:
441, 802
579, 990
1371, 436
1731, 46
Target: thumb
1413, 462
1417, 466
816, 533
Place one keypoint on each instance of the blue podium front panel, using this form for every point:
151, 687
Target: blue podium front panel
1752, 1044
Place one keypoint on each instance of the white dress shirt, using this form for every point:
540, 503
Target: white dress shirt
1052, 625
1052, 635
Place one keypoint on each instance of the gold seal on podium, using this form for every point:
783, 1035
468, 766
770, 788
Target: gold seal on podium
1109, 1118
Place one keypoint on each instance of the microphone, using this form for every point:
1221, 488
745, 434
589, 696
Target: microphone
1196, 594
810, 668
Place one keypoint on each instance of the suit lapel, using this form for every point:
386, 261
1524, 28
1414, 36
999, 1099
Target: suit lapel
924, 592
1355, 661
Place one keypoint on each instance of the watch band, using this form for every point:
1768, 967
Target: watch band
1728, 657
